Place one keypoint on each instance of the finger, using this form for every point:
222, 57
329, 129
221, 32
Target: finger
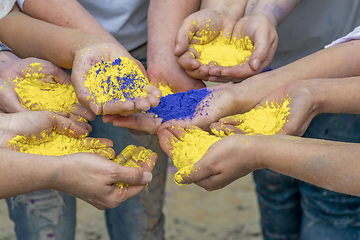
82, 111
142, 104
131, 191
152, 90
166, 139
121, 107
109, 153
126, 154
110, 118
67, 126
132, 175
95, 143
185, 36
188, 62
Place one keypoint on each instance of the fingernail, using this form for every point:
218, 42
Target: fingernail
177, 47
256, 64
147, 176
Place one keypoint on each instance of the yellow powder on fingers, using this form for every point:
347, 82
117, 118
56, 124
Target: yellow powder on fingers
37, 94
121, 80
189, 149
165, 90
133, 156
266, 120
224, 52
56, 144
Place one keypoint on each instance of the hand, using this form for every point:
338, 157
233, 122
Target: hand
207, 22
85, 58
226, 160
223, 100
30, 123
169, 73
262, 32
18, 68
303, 108
93, 178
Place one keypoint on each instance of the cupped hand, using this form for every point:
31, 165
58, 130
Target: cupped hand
200, 28
226, 160
37, 124
303, 108
262, 32
19, 68
93, 178
89, 55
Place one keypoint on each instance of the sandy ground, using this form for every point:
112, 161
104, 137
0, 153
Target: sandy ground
191, 213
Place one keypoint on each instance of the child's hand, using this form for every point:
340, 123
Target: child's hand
18, 68
85, 58
262, 33
30, 123
93, 178
226, 160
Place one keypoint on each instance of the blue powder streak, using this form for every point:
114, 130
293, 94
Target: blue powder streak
179, 105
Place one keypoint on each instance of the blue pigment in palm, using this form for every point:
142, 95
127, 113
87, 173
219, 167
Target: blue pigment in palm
179, 105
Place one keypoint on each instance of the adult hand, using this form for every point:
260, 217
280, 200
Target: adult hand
88, 55
304, 106
93, 178
237, 154
222, 100
200, 28
262, 32
36, 123
18, 68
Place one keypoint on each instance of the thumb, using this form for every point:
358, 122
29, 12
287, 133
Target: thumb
132, 175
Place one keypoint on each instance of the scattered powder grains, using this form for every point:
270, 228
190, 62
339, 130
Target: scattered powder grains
189, 149
37, 93
225, 52
179, 105
133, 156
266, 120
121, 79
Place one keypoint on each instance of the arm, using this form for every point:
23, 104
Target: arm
164, 19
69, 14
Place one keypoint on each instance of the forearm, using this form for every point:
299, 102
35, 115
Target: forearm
164, 20
43, 40
339, 61
276, 10
331, 165
66, 13
23, 173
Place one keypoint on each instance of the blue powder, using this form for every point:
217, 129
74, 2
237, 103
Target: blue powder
179, 105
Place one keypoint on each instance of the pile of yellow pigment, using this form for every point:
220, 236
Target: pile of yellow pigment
189, 149
56, 144
133, 156
37, 93
121, 79
266, 120
224, 52
165, 90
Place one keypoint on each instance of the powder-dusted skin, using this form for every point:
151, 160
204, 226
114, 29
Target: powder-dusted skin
190, 149
179, 105
37, 94
266, 120
221, 51
130, 157
121, 80
56, 144
165, 90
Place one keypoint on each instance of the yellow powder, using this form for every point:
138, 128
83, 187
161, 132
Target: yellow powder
37, 94
131, 157
56, 144
190, 149
221, 51
165, 90
121, 79
266, 120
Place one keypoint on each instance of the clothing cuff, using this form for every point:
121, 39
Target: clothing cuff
354, 35
20, 3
